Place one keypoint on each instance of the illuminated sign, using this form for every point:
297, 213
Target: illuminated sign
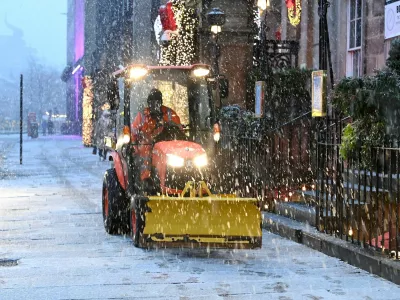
392, 20
318, 107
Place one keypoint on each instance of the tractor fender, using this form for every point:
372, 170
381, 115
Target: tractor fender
119, 168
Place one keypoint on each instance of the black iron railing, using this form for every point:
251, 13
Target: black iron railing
358, 199
272, 165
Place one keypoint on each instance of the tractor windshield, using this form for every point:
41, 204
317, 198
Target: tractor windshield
186, 95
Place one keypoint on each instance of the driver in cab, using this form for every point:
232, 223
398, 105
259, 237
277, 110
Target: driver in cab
147, 125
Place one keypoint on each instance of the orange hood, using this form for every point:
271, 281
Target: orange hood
184, 149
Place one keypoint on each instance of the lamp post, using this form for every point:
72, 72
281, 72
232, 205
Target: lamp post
262, 6
216, 19
325, 59
322, 11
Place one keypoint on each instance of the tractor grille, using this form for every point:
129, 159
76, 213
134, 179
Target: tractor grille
176, 178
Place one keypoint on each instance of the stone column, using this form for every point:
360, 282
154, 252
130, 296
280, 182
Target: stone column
374, 39
284, 21
304, 34
143, 32
272, 17
90, 35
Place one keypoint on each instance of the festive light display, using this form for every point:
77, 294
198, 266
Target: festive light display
167, 17
87, 113
181, 49
294, 11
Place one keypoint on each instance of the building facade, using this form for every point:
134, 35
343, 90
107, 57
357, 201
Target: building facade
356, 30
106, 34
73, 72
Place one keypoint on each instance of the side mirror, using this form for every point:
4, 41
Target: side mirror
216, 132
224, 87
110, 142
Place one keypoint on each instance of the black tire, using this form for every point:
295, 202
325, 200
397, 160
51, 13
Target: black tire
136, 224
115, 205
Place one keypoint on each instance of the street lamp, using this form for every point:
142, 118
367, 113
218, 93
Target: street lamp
216, 19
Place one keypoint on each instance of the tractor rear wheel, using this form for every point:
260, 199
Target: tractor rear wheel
115, 205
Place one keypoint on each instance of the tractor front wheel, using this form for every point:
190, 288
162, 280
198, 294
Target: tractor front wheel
136, 225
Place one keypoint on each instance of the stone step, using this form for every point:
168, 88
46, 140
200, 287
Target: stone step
299, 211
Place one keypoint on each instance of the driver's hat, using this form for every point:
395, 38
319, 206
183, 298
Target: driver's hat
154, 94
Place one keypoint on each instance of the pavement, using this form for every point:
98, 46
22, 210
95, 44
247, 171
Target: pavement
301, 232
53, 244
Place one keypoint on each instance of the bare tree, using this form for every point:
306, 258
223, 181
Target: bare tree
44, 89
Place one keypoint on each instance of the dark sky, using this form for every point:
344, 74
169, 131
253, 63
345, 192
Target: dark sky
43, 23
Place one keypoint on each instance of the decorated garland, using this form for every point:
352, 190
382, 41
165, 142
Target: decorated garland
181, 49
87, 125
294, 11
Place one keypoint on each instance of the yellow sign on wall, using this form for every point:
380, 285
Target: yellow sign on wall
318, 106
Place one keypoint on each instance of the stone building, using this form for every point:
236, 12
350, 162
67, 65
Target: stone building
105, 34
73, 72
236, 38
356, 29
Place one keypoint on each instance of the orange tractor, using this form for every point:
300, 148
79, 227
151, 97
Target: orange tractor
181, 210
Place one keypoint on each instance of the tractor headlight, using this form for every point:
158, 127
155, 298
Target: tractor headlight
137, 72
201, 72
200, 161
175, 161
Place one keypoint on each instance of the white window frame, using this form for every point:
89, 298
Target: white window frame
356, 50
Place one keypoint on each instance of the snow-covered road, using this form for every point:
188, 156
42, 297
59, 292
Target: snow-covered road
51, 224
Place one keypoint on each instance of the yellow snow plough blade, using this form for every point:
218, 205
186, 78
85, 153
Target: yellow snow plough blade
215, 221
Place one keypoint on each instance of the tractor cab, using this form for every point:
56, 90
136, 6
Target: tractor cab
185, 89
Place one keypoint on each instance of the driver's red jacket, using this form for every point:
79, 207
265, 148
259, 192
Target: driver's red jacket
143, 129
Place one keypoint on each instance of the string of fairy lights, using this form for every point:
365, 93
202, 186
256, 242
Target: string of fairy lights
181, 49
87, 111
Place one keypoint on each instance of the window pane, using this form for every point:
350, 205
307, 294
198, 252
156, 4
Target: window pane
356, 63
358, 8
351, 37
352, 9
358, 33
